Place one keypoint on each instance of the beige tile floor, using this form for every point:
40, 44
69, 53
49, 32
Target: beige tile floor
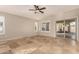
40, 45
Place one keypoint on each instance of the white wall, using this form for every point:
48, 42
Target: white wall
16, 26
66, 15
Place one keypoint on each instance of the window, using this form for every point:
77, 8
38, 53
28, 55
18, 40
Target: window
72, 27
2, 26
60, 26
45, 26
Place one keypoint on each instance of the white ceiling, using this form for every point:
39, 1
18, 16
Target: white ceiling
23, 10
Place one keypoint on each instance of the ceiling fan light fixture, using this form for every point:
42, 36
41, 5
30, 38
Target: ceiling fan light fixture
37, 9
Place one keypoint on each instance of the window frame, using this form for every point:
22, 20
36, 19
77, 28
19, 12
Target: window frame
44, 23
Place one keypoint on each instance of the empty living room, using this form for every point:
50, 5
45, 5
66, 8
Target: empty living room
39, 29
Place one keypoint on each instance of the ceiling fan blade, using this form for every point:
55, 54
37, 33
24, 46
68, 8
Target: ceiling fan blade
42, 8
35, 12
41, 11
36, 7
31, 9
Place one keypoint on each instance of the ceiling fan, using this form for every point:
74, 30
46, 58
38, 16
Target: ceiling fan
38, 9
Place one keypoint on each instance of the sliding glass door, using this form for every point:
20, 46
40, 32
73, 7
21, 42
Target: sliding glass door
60, 29
70, 29
66, 28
